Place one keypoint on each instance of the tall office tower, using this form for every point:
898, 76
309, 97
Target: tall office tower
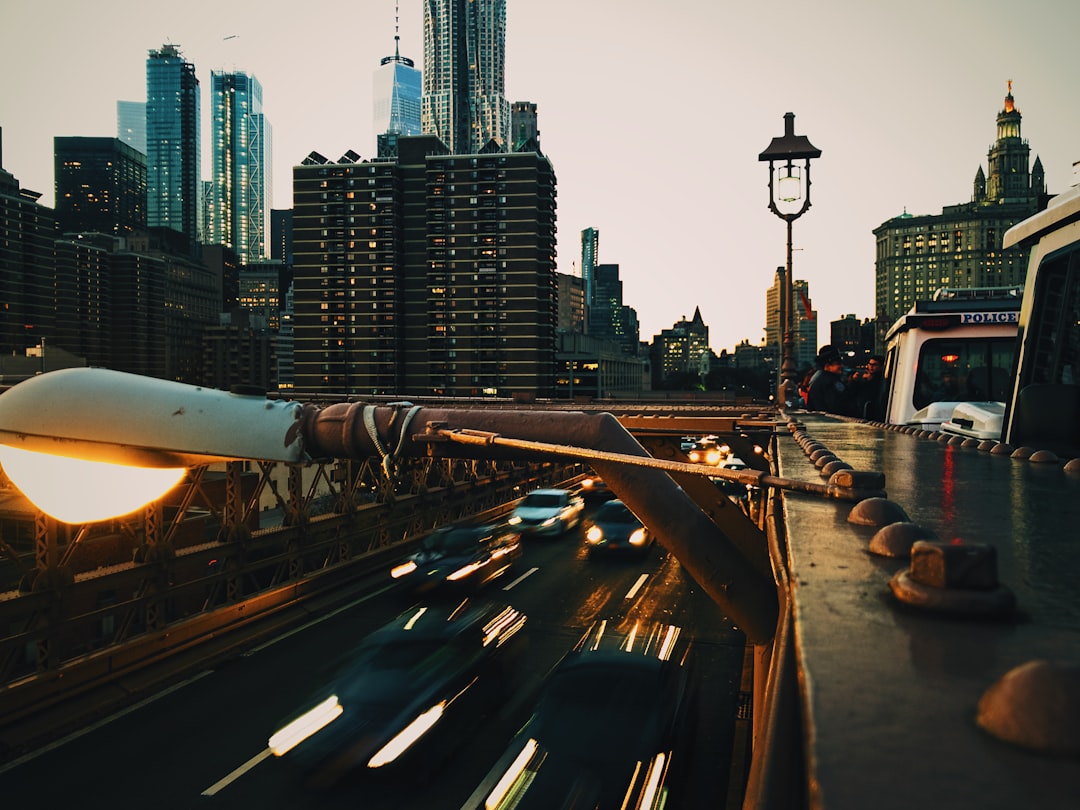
100, 186
430, 274
131, 124
609, 318
961, 247
803, 323
281, 235
590, 253
172, 144
397, 90
27, 231
240, 166
464, 101
524, 129
571, 303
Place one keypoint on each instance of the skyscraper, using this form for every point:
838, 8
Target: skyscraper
464, 100
524, 129
172, 143
240, 161
590, 252
430, 274
100, 185
131, 124
396, 100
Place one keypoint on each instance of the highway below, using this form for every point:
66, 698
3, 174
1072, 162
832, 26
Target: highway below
203, 742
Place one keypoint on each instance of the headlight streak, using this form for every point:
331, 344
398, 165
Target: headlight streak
599, 634
514, 520
310, 722
414, 619
668, 644
465, 570
503, 626
516, 778
637, 537
631, 638
404, 739
399, 571
653, 795
594, 534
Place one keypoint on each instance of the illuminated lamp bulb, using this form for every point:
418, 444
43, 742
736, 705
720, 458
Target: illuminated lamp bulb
789, 186
76, 491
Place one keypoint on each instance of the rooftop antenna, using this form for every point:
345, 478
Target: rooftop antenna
397, 37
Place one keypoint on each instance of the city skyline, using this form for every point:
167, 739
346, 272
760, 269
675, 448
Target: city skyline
653, 122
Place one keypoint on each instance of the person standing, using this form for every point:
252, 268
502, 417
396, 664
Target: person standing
828, 388
866, 389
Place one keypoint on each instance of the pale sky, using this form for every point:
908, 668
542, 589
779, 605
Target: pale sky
653, 115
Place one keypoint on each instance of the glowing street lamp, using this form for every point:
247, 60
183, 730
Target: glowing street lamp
789, 183
79, 467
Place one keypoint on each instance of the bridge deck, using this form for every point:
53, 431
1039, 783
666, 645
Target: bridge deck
890, 692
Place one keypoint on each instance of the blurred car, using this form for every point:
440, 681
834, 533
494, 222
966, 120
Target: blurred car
707, 451
614, 529
595, 488
547, 512
738, 490
458, 557
612, 728
406, 695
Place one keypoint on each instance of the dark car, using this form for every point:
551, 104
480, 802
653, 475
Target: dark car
614, 529
595, 488
408, 693
459, 556
612, 728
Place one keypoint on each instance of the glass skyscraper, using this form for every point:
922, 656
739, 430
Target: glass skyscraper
396, 98
464, 101
172, 143
240, 166
131, 124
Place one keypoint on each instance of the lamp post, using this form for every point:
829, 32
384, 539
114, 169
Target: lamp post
787, 186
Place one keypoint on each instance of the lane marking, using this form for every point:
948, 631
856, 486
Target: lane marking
313, 622
103, 722
630, 594
232, 777
520, 579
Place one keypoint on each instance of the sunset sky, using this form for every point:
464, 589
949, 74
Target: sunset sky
653, 115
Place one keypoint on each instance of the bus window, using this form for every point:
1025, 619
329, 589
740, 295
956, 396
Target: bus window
1055, 330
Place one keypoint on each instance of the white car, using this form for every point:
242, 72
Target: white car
547, 512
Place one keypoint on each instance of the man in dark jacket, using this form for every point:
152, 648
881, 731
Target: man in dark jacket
828, 390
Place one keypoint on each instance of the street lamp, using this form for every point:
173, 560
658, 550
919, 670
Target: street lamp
88, 444
788, 184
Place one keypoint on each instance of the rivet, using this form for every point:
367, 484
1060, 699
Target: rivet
896, 539
1035, 705
876, 512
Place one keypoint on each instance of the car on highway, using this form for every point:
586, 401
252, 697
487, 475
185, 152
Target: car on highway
595, 488
707, 451
459, 557
549, 512
737, 490
614, 529
407, 694
612, 727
